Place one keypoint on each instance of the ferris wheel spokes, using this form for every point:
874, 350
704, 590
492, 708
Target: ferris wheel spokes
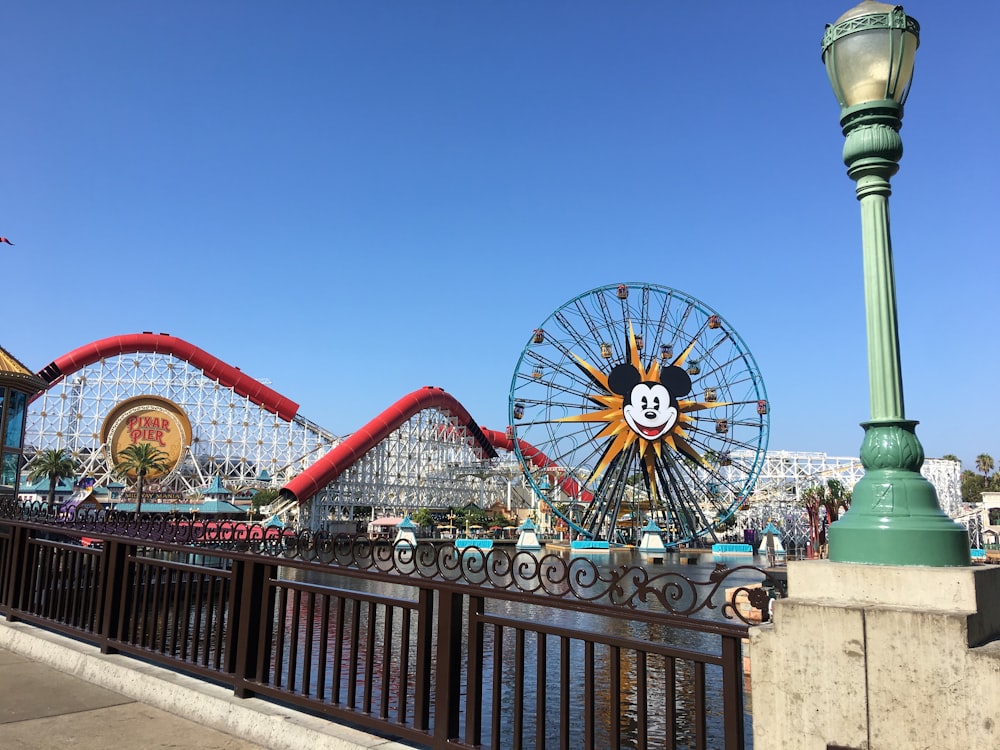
658, 442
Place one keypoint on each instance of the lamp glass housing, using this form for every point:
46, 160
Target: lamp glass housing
869, 54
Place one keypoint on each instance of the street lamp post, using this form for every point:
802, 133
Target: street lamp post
895, 518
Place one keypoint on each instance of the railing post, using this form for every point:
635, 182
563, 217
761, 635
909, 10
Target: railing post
425, 642
114, 590
251, 619
14, 565
732, 692
448, 687
474, 680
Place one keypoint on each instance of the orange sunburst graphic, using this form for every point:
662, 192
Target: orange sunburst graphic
619, 434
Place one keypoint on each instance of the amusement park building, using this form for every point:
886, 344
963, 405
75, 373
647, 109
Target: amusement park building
219, 425
17, 385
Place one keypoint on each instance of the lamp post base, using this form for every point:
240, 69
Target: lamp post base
895, 518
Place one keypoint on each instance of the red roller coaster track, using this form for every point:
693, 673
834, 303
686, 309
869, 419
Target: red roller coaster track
330, 466
567, 484
342, 457
164, 343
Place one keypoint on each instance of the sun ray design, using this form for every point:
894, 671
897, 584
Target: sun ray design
616, 430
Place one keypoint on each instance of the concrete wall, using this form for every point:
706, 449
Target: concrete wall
879, 658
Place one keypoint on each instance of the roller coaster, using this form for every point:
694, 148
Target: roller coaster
252, 437
423, 451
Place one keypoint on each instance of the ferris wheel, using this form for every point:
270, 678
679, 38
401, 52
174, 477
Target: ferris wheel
635, 404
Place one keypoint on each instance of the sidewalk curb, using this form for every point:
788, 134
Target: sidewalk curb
251, 719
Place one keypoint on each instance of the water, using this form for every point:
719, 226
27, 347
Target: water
607, 715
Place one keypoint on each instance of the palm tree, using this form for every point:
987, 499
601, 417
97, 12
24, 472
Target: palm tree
138, 460
54, 465
984, 462
811, 499
835, 496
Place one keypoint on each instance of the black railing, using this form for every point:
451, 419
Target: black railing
436, 646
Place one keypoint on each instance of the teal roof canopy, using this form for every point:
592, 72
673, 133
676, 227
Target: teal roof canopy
216, 488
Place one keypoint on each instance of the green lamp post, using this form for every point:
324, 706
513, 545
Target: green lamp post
895, 518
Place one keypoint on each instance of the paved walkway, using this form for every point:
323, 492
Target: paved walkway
56, 694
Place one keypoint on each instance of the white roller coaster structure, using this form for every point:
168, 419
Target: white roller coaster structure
232, 437
426, 461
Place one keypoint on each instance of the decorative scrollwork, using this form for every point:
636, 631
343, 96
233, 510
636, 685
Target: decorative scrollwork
742, 593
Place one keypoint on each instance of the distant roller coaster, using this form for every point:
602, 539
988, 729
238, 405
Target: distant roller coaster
777, 496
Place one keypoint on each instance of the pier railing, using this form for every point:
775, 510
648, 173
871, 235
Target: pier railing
436, 646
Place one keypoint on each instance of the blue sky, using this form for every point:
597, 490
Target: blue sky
352, 200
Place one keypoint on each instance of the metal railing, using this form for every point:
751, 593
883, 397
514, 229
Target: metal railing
432, 645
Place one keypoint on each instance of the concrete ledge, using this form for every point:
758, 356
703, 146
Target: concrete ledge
254, 720
917, 587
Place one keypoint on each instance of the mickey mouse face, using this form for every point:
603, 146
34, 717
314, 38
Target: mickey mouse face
649, 407
647, 410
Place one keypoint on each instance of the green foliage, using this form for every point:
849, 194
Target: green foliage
470, 515
498, 519
52, 465
973, 485
260, 499
477, 517
423, 518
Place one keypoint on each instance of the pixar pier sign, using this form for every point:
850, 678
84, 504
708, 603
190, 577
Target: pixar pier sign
145, 428
147, 419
